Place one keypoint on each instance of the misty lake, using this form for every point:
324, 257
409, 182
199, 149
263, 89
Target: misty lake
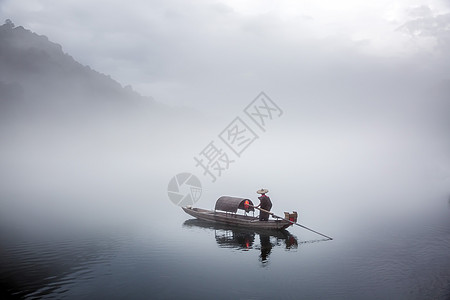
379, 253
91, 218
353, 134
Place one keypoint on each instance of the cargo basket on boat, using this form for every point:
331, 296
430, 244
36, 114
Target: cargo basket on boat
232, 204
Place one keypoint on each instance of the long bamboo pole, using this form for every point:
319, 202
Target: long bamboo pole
270, 213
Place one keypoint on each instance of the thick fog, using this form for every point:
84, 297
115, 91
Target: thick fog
363, 89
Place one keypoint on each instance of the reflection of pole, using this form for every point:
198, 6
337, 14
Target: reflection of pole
291, 222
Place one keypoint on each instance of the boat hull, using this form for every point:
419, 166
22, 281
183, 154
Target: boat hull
236, 219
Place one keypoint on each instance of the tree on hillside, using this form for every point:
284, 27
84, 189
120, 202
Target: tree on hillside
9, 23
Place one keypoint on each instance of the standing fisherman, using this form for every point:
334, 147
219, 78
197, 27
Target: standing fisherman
264, 203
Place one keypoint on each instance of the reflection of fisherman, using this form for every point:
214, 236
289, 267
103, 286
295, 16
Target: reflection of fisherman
265, 204
266, 247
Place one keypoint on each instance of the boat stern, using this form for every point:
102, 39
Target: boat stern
292, 217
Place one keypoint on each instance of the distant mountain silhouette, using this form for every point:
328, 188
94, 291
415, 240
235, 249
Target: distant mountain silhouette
36, 72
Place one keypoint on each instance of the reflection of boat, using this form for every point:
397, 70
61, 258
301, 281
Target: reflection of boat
225, 213
291, 241
244, 239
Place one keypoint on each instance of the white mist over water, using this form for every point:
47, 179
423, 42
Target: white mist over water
361, 150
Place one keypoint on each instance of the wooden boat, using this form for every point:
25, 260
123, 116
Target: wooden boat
225, 212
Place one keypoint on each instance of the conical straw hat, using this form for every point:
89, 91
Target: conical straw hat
262, 191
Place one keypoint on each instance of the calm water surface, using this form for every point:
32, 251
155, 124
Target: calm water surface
385, 258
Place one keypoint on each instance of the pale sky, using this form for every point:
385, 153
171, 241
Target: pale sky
199, 52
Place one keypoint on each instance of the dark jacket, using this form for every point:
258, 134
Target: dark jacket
266, 204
